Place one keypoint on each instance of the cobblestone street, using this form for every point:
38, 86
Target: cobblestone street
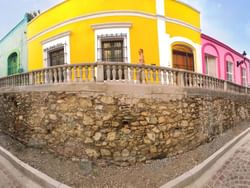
235, 172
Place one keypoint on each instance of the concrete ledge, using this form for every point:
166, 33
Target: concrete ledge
193, 174
35, 175
163, 92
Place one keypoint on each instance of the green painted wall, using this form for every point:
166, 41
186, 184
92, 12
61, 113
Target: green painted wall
14, 41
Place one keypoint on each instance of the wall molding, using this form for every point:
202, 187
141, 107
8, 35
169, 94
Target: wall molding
111, 25
113, 13
64, 34
182, 23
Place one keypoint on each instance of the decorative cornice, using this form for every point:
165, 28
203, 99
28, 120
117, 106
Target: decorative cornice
113, 13
67, 33
47, 10
111, 25
182, 23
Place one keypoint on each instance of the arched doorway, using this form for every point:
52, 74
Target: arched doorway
183, 57
13, 64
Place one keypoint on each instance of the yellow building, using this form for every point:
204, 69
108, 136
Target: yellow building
79, 31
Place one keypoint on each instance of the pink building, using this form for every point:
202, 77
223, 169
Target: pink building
221, 61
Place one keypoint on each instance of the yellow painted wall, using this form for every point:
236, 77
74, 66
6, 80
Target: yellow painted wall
143, 33
184, 13
82, 42
74, 8
83, 45
181, 11
178, 30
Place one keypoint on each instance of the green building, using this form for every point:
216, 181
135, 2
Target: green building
13, 50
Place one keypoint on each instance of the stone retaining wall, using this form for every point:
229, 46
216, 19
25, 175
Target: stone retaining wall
120, 127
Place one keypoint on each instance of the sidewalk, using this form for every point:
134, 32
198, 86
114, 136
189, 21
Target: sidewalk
10, 177
14, 173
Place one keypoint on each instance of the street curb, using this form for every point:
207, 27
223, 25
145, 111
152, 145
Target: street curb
35, 175
193, 174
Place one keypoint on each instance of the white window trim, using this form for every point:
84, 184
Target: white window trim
113, 31
230, 73
244, 77
207, 57
54, 42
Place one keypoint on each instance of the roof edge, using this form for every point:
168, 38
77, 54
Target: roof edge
204, 36
24, 20
47, 10
181, 2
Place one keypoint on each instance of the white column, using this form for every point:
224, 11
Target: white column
198, 58
163, 37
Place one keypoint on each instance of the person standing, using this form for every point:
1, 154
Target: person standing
141, 62
141, 57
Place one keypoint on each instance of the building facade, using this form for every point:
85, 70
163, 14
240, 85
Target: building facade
13, 50
167, 32
221, 61
77, 31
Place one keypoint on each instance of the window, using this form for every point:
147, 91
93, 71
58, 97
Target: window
243, 77
210, 63
117, 32
229, 71
13, 64
56, 50
112, 51
112, 44
112, 48
56, 57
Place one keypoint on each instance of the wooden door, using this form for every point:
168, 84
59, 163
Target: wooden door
183, 58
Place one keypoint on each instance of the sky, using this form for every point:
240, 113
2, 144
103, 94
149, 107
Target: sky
13, 11
226, 20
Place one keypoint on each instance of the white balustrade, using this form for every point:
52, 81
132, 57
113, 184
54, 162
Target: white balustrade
120, 72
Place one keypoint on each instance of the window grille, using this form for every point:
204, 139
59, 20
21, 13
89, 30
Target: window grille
55, 55
112, 48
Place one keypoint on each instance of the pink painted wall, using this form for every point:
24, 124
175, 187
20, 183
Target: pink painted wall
223, 53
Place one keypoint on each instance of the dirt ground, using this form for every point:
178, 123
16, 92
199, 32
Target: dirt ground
84, 174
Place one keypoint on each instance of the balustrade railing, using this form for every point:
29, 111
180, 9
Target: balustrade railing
120, 72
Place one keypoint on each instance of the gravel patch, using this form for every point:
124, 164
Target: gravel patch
84, 174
